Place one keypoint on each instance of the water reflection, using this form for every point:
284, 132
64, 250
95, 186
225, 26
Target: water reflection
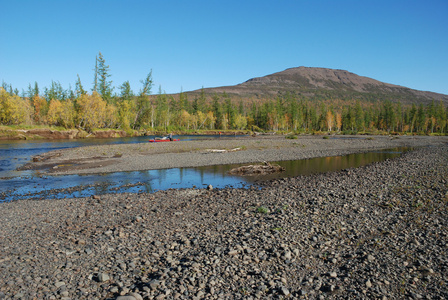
39, 187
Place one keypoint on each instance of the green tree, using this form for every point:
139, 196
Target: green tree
95, 76
79, 89
142, 105
421, 118
126, 91
105, 85
217, 110
147, 85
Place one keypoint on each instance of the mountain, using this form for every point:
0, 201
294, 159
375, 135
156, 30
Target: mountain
326, 84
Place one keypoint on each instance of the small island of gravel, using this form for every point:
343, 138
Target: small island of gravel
206, 152
379, 231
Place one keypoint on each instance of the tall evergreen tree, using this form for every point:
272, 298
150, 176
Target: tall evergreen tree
79, 89
143, 104
147, 85
126, 92
105, 86
95, 76
36, 89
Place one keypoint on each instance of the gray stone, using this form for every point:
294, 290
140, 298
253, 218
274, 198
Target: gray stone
102, 277
285, 291
126, 297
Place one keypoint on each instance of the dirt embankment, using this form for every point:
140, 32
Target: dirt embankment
46, 133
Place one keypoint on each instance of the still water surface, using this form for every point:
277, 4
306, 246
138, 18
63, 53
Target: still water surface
15, 185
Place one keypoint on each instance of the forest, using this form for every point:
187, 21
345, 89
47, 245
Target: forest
101, 108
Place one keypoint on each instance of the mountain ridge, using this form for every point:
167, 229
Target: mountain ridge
314, 82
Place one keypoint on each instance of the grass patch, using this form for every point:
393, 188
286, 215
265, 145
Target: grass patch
262, 210
291, 137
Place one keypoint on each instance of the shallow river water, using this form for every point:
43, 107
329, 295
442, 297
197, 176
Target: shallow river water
15, 185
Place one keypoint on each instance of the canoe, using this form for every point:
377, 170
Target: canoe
165, 140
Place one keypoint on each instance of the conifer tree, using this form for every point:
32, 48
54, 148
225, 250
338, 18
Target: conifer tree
105, 86
95, 76
79, 88
126, 92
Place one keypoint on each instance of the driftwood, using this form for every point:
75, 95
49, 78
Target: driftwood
222, 151
253, 170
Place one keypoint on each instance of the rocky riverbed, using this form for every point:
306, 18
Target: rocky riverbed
379, 231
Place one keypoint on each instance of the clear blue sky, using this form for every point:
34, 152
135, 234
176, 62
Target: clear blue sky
193, 44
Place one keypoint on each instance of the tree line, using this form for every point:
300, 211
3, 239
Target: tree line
126, 110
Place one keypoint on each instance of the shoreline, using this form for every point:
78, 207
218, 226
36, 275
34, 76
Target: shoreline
242, 150
371, 232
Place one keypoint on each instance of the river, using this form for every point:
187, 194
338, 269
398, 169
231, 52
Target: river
16, 185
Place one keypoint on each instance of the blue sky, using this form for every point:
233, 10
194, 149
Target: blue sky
194, 44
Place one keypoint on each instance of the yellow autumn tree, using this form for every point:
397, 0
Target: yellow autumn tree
201, 118
185, 119
68, 114
211, 120
54, 112
126, 114
329, 120
338, 121
239, 122
40, 109
14, 110
92, 111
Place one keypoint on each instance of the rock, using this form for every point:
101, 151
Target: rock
285, 291
154, 284
126, 297
102, 277
233, 252
136, 296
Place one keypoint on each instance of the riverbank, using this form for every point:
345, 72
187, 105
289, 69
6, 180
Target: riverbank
229, 150
379, 231
54, 133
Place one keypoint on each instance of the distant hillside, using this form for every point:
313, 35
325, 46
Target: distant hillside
325, 84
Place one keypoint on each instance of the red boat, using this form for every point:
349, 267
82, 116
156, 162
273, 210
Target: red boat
163, 140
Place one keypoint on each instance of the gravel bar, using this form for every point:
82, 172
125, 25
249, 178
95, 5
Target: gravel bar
152, 156
375, 232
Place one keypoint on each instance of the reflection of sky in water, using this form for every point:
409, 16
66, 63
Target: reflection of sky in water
153, 180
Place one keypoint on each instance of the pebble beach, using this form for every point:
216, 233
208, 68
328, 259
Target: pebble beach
374, 232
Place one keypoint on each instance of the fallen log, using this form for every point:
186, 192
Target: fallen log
222, 150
